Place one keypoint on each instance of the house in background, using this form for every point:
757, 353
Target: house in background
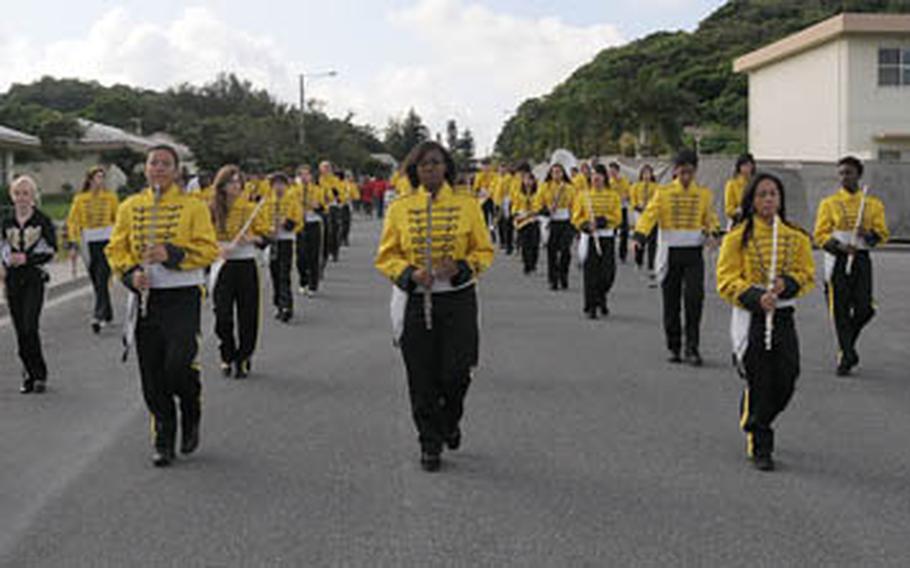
839, 87
11, 141
58, 176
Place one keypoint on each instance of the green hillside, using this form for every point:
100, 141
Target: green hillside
645, 93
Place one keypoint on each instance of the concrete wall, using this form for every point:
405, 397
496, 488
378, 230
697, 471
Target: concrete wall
796, 105
873, 110
806, 183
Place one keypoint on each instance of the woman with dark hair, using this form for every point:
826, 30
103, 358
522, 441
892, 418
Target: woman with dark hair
765, 264
286, 218
556, 196
240, 225
434, 243
848, 225
161, 244
736, 186
88, 227
597, 213
525, 206
641, 194
28, 241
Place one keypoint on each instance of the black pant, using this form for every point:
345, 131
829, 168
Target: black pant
651, 246
237, 288
489, 210
684, 284
559, 253
309, 253
332, 234
624, 235
771, 376
345, 226
167, 343
439, 362
853, 306
282, 256
599, 274
100, 273
529, 242
506, 234
25, 297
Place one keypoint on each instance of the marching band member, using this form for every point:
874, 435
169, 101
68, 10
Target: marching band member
582, 179
736, 186
556, 196
525, 206
89, 225
597, 213
433, 245
332, 190
684, 212
28, 241
761, 249
620, 184
311, 236
847, 226
502, 199
640, 195
162, 241
287, 217
240, 225
349, 194
484, 181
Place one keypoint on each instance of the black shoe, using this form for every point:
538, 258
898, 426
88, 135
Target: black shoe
226, 370
28, 386
242, 370
286, 315
693, 357
843, 369
189, 440
554, 287
674, 357
763, 462
40, 387
592, 314
852, 358
163, 458
96, 327
604, 310
453, 440
430, 461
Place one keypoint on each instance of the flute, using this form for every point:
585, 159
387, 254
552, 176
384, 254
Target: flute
772, 276
150, 234
428, 259
854, 239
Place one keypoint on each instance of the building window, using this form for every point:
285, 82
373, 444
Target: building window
893, 67
889, 155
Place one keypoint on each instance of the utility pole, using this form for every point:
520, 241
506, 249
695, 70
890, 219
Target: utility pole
301, 134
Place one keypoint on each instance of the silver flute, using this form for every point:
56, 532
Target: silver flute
428, 259
150, 234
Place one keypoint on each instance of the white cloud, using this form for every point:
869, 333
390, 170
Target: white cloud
478, 64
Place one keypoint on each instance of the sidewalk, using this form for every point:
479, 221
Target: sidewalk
62, 280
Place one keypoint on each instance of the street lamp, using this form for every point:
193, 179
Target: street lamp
303, 78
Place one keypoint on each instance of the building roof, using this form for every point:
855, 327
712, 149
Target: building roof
821, 33
14, 138
99, 136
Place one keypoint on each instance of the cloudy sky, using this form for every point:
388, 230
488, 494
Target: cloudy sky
472, 60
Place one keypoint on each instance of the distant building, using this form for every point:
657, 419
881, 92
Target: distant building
10, 141
839, 87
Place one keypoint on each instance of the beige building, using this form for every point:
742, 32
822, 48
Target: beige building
10, 141
839, 87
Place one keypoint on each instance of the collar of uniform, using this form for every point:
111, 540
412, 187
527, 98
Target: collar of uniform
444, 191
172, 189
849, 194
759, 221
678, 184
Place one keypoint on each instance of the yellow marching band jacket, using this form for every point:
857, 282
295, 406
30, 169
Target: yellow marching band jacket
91, 217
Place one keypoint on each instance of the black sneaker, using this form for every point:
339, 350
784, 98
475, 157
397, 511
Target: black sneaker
189, 440
40, 387
674, 357
604, 310
453, 440
430, 461
242, 370
28, 386
163, 458
96, 327
226, 370
693, 357
592, 314
763, 462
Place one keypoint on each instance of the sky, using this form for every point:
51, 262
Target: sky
471, 60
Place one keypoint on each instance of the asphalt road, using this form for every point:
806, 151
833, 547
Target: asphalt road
582, 446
